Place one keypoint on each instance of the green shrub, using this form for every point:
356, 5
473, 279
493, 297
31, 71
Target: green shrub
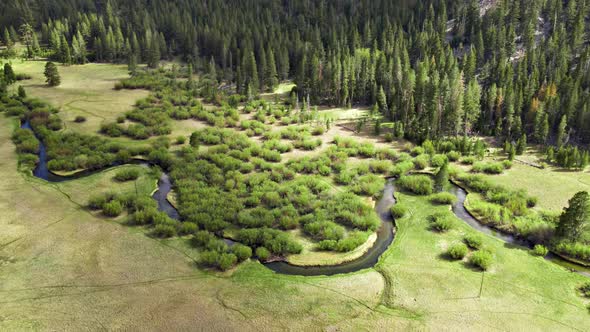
438, 160
320, 130
201, 238
443, 198
209, 258
127, 174
380, 166
540, 250
368, 185
96, 202
481, 259
262, 253
442, 222
575, 250
242, 252
457, 251
468, 160
531, 201
398, 211
417, 184
112, 208
226, 261
180, 140
421, 161
164, 230
417, 151
442, 225
352, 241
488, 168
80, 119
345, 177
474, 241
489, 213
585, 289
402, 168
187, 228
453, 155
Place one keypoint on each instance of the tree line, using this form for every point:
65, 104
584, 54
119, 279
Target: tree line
440, 68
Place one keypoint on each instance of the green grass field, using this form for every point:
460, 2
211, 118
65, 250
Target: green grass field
520, 292
85, 90
553, 187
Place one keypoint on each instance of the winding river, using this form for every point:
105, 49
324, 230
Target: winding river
385, 234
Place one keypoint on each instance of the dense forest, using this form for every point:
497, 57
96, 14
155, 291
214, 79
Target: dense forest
501, 68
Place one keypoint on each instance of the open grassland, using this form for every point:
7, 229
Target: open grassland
553, 187
85, 90
519, 292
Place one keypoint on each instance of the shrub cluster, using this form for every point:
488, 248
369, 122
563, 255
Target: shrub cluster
482, 259
398, 211
126, 174
442, 221
443, 198
457, 251
417, 184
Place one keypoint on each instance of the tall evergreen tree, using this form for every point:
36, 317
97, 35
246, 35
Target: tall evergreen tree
51, 74
575, 217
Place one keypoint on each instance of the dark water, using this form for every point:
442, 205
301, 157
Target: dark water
463, 214
385, 234
41, 170
164, 187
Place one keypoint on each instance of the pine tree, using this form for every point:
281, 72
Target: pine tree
251, 73
8, 42
472, 105
271, 75
52, 74
190, 83
511, 152
65, 55
132, 63
382, 102
21, 92
561, 132
79, 49
442, 177
212, 71
152, 47
574, 217
521, 145
27, 33
9, 75
550, 154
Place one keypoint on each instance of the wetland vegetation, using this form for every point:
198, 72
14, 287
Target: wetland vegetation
422, 166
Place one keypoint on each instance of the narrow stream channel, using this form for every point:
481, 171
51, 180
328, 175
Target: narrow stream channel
385, 234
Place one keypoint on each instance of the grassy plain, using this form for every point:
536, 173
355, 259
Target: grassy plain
520, 292
553, 187
85, 90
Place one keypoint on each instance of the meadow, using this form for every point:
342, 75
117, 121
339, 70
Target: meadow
63, 266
